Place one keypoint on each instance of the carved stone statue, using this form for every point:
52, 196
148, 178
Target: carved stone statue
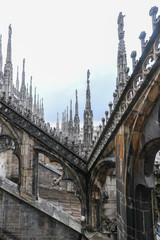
120, 22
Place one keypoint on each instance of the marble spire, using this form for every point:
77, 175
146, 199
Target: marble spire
23, 86
122, 69
70, 110
8, 78
76, 120
57, 123
30, 95
88, 94
76, 104
35, 103
17, 79
9, 47
70, 123
88, 117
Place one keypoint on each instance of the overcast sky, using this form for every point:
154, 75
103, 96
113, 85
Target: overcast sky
61, 39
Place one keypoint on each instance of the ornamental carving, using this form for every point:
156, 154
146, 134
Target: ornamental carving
6, 143
109, 225
123, 107
130, 95
157, 45
137, 82
148, 64
41, 136
148, 61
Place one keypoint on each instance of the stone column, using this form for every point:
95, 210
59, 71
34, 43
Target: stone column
28, 169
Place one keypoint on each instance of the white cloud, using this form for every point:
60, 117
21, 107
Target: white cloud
61, 39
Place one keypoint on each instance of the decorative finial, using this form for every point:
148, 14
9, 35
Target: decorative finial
103, 122
142, 38
153, 11
133, 56
110, 107
106, 113
115, 97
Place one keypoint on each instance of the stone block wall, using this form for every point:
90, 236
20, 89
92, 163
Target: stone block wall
110, 207
46, 176
20, 221
61, 194
12, 167
120, 186
9, 165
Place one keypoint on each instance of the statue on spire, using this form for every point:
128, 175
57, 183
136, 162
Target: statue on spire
122, 70
10, 31
76, 94
120, 22
88, 74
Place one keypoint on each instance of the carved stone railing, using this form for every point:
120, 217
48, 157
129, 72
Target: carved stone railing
47, 140
143, 71
15, 104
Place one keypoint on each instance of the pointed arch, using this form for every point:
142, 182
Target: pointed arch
139, 178
102, 201
68, 174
